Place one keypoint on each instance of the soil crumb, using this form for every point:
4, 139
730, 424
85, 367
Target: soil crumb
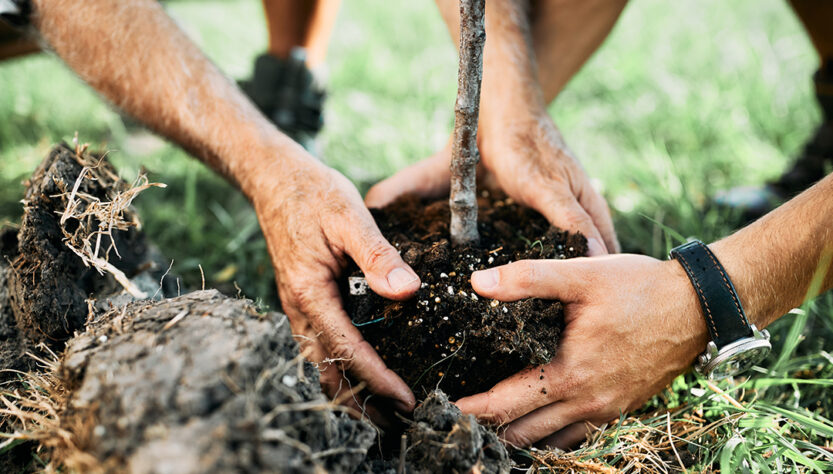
442, 439
203, 383
448, 337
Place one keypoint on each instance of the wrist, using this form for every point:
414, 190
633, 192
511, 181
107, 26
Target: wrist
268, 166
512, 106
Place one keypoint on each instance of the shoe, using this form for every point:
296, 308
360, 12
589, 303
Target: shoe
287, 93
814, 163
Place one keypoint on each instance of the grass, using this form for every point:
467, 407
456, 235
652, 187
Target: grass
685, 98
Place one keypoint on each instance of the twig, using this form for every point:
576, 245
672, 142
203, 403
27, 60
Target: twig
175, 319
464, 153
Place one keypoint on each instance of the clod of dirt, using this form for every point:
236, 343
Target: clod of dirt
48, 283
202, 383
13, 346
447, 336
442, 439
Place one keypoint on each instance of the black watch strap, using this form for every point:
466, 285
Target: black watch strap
721, 306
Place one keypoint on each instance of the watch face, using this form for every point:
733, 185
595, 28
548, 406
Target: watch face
738, 359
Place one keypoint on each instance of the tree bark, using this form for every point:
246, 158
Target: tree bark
464, 153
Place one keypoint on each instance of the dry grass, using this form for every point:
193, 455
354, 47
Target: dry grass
97, 219
34, 411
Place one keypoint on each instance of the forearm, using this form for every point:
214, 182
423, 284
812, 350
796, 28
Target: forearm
135, 56
773, 261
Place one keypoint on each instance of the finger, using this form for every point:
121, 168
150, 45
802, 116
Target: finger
549, 279
568, 214
346, 347
386, 273
428, 178
340, 388
568, 437
597, 208
516, 396
539, 424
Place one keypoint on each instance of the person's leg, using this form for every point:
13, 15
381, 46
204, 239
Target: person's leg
14, 44
817, 158
306, 24
283, 85
565, 33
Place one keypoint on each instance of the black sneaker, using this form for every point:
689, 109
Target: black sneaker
286, 92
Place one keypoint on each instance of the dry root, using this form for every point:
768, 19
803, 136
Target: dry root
97, 218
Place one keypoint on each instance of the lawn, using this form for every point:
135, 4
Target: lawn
684, 98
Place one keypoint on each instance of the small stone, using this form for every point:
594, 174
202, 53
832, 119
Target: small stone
474, 297
494, 303
358, 285
102, 339
443, 275
289, 380
437, 299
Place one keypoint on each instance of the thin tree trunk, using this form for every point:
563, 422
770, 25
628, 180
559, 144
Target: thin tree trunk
464, 153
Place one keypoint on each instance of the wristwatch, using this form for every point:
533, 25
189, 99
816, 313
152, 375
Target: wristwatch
735, 344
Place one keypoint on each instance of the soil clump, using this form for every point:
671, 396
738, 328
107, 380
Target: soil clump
203, 383
442, 439
448, 337
48, 283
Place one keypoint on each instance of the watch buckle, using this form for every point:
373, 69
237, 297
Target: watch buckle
713, 357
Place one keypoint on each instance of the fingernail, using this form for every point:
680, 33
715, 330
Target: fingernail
399, 278
403, 407
595, 248
485, 279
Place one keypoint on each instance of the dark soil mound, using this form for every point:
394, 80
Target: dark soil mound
436, 339
442, 439
203, 383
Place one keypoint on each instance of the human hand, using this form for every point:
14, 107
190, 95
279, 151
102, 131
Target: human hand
313, 219
633, 323
525, 157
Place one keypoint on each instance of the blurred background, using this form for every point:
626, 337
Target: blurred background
683, 99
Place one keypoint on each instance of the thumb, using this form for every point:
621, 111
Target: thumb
386, 273
547, 279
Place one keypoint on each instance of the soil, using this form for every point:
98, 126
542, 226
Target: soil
207, 383
447, 337
203, 383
